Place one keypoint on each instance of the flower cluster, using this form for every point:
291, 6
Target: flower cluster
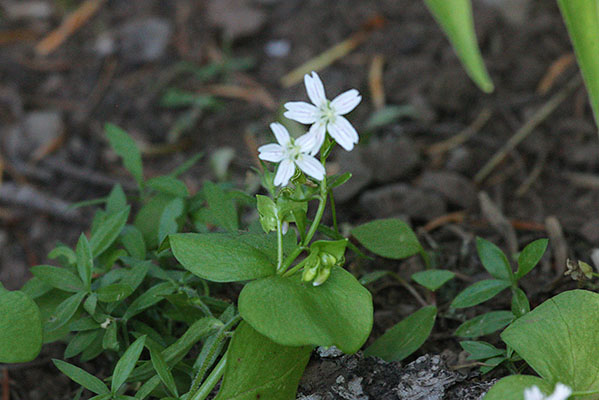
561, 392
324, 116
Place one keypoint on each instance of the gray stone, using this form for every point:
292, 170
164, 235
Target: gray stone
390, 159
361, 175
37, 129
237, 18
144, 39
403, 199
427, 378
454, 187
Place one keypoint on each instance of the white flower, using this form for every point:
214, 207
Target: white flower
561, 392
291, 153
325, 115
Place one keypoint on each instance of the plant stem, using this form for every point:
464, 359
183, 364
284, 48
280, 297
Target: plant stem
279, 247
334, 212
211, 381
322, 201
295, 268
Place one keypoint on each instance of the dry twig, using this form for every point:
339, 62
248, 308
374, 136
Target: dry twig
375, 81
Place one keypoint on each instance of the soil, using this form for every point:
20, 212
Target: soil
120, 63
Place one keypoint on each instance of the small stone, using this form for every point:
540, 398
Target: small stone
590, 231
454, 187
361, 175
277, 48
16, 10
459, 160
403, 199
37, 129
329, 352
144, 39
390, 159
236, 17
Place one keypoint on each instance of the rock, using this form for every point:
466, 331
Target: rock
236, 17
16, 10
361, 174
459, 160
426, 379
514, 11
277, 48
454, 187
390, 159
403, 199
590, 231
144, 39
37, 129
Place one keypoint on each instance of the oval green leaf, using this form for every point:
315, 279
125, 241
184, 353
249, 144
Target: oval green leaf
292, 313
220, 257
484, 324
406, 337
479, 292
433, 279
20, 328
389, 238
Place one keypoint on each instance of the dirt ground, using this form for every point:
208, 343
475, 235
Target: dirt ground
422, 165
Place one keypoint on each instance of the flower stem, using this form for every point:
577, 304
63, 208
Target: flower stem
333, 212
279, 247
211, 381
322, 201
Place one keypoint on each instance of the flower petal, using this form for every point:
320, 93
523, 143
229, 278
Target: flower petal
271, 152
346, 102
533, 393
300, 111
311, 166
561, 392
315, 89
281, 133
284, 172
317, 132
343, 132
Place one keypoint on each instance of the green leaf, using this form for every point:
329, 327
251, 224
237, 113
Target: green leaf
455, 17
405, 337
126, 363
147, 388
149, 218
63, 253
433, 279
80, 342
389, 114
59, 278
258, 368
20, 327
85, 260
164, 372
480, 350
168, 223
372, 277
125, 146
520, 304
117, 200
220, 257
114, 292
168, 185
64, 311
390, 238
582, 21
110, 339
512, 387
339, 312
221, 207
558, 339
484, 324
530, 257
133, 241
82, 377
479, 292
493, 259
108, 230
150, 297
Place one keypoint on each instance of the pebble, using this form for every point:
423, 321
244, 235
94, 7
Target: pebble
402, 199
144, 39
237, 18
454, 187
277, 48
37, 129
16, 10
390, 159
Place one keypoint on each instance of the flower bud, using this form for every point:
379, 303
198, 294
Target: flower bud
322, 276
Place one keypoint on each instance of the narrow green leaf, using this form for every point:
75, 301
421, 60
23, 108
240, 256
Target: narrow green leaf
80, 342
484, 324
126, 363
117, 200
110, 339
493, 259
433, 279
479, 292
85, 260
530, 256
405, 337
82, 377
168, 185
59, 278
108, 231
147, 388
520, 304
168, 223
133, 241
114, 292
125, 146
152, 296
390, 238
20, 327
582, 21
258, 368
63, 313
480, 350
164, 372
455, 17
